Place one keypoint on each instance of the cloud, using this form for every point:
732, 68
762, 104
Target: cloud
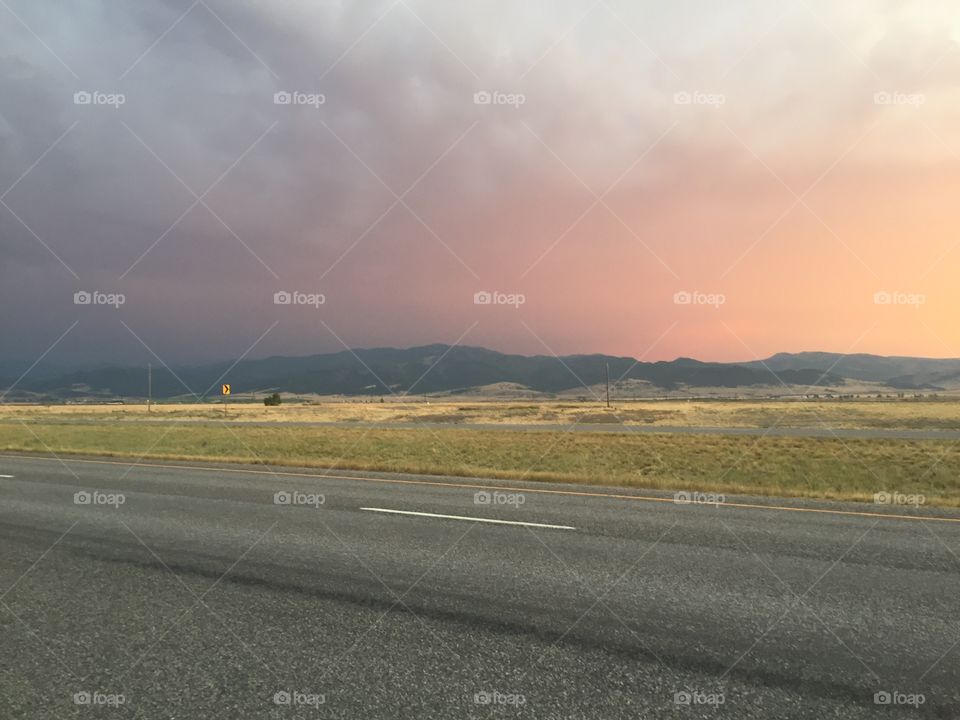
500, 195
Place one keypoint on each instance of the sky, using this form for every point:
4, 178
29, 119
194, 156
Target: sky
184, 182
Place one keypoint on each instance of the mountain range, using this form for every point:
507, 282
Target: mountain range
434, 369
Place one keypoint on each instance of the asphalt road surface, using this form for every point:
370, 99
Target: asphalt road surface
169, 591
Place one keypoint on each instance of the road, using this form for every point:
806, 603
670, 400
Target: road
187, 592
823, 431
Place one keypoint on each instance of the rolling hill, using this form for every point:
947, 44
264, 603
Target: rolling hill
446, 369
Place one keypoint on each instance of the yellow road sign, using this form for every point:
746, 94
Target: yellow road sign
225, 389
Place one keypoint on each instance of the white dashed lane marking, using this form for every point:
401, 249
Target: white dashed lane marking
473, 519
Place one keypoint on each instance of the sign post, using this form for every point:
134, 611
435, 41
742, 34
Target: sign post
225, 391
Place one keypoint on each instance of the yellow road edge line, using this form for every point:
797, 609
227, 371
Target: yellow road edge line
471, 486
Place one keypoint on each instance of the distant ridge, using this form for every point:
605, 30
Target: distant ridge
445, 369
898, 372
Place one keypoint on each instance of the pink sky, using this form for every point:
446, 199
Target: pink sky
785, 162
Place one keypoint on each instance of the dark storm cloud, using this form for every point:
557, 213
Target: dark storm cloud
291, 196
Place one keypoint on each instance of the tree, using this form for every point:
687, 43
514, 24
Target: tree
272, 400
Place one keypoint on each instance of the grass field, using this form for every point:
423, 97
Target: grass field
801, 467
905, 414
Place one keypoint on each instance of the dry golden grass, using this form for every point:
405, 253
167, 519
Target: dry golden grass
915, 414
801, 467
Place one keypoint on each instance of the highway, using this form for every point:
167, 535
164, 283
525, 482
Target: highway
165, 590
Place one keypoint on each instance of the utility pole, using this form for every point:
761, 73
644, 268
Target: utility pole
608, 384
149, 385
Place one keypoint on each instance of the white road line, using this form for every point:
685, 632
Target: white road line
6, 476
474, 519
